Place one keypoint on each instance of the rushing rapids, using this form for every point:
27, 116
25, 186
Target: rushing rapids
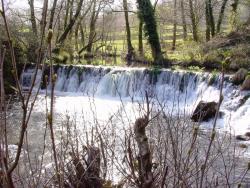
180, 90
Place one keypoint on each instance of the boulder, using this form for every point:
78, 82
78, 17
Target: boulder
204, 111
247, 134
246, 84
239, 76
242, 138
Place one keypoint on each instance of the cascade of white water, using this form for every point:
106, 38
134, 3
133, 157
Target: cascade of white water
177, 89
118, 82
28, 77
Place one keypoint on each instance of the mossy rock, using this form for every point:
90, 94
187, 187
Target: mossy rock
246, 83
239, 76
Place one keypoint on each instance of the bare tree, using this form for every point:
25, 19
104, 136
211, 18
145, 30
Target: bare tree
193, 21
71, 23
221, 15
183, 17
175, 25
130, 53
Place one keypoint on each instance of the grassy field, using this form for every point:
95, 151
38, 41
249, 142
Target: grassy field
185, 50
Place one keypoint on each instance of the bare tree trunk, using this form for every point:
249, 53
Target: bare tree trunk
175, 25
33, 18
130, 53
71, 17
82, 35
208, 32
221, 15
234, 14
52, 13
144, 156
76, 36
92, 33
93, 163
211, 17
33, 43
193, 20
140, 39
66, 14
184, 24
71, 23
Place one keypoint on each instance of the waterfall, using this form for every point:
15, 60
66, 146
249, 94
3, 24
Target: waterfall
133, 82
177, 89
27, 78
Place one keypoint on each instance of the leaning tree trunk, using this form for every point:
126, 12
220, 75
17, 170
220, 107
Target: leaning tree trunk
175, 25
194, 21
71, 23
221, 15
147, 13
129, 43
184, 23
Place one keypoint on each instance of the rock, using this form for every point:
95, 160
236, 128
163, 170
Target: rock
234, 65
247, 134
242, 101
239, 76
243, 146
204, 111
242, 138
246, 83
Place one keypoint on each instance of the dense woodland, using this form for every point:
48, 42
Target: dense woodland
144, 32
159, 149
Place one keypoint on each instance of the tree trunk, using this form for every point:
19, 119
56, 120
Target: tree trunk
129, 43
71, 23
144, 157
76, 36
70, 18
147, 13
66, 14
33, 43
82, 35
44, 18
93, 167
211, 18
193, 20
175, 25
92, 26
184, 24
52, 13
221, 15
207, 23
33, 18
234, 14
140, 39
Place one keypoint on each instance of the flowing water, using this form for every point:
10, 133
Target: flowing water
180, 90
98, 94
